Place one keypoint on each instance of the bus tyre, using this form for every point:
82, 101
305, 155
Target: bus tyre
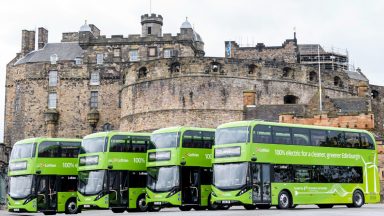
71, 207
200, 208
263, 206
141, 204
212, 206
153, 208
224, 207
284, 200
118, 210
325, 205
357, 200
185, 208
250, 207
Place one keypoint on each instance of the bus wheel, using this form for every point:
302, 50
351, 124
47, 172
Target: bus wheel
325, 205
224, 207
250, 207
141, 204
263, 206
284, 200
118, 210
185, 208
152, 208
71, 207
357, 200
200, 208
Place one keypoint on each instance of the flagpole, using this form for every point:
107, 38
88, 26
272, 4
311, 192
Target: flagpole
320, 98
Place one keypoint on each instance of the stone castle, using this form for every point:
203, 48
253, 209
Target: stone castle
89, 82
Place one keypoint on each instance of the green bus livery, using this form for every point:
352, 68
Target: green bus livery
262, 164
179, 166
112, 171
43, 175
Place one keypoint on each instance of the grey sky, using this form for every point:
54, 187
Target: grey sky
345, 24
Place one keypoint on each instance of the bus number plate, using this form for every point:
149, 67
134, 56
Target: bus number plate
157, 203
87, 206
16, 210
226, 202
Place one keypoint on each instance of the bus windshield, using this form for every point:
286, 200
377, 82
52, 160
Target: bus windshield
20, 187
163, 178
164, 140
91, 182
230, 176
93, 145
23, 151
232, 135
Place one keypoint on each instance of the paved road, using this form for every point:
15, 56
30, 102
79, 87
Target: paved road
367, 210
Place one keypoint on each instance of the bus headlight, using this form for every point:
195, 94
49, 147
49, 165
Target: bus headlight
14, 166
173, 192
101, 194
242, 191
213, 194
29, 199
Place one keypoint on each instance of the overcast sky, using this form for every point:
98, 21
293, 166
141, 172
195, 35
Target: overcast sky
356, 26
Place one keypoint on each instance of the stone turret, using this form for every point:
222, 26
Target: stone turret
151, 25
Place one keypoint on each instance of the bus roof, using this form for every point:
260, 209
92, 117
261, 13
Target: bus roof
258, 122
112, 133
181, 129
41, 139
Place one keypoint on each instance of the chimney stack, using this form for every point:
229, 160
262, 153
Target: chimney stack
42, 37
27, 41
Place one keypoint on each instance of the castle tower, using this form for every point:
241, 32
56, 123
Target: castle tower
151, 25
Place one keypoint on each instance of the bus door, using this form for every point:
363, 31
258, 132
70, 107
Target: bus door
118, 188
47, 192
190, 185
261, 182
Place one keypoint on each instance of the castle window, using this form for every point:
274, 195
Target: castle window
52, 78
100, 58
290, 99
17, 98
133, 55
215, 66
152, 51
287, 72
94, 99
78, 61
107, 127
142, 72
116, 52
375, 94
95, 78
175, 67
167, 53
312, 76
52, 100
149, 30
337, 81
251, 69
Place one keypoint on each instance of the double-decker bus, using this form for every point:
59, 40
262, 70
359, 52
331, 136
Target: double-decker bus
43, 176
179, 168
263, 164
112, 171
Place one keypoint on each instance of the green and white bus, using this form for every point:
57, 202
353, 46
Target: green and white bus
179, 168
263, 164
112, 171
43, 176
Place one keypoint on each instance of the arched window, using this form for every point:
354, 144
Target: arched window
251, 68
312, 76
287, 72
215, 66
175, 67
142, 72
337, 81
374, 94
107, 127
291, 99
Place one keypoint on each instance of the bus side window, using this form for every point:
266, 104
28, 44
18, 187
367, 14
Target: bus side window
300, 136
262, 134
205, 176
68, 183
139, 144
336, 139
69, 149
366, 141
283, 173
49, 149
137, 179
318, 137
120, 143
208, 139
352, 140
281, 135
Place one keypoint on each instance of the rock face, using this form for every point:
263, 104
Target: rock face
143, 82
